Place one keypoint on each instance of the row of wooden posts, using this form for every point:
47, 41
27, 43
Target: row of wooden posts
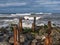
17, 32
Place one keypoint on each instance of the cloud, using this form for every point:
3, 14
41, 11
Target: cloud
30, 6
56, 8
50, 2
13, 4
47, 4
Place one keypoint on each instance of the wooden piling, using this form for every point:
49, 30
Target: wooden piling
20, 29
15, 35
33, 27
34, 20
33, 24
20, 24
49, 27
48, 39
18, 37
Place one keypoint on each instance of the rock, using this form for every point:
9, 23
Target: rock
27, 42
29, 36
22, 38
34, 42
4, 43
37, 36
11, 40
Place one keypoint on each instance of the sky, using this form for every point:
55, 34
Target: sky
29, 6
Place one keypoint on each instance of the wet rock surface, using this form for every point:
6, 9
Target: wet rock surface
27, 38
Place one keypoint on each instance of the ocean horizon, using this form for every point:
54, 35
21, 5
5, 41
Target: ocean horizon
44, 18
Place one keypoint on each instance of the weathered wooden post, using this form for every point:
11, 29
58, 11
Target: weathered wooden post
20, 24
33, 27
15, 35
19, 29
34, 20
48, 40
18, 37
49, 27
33, 24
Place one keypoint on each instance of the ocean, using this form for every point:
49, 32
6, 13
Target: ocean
44, 18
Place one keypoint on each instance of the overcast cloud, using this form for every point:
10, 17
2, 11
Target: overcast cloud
25, 6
